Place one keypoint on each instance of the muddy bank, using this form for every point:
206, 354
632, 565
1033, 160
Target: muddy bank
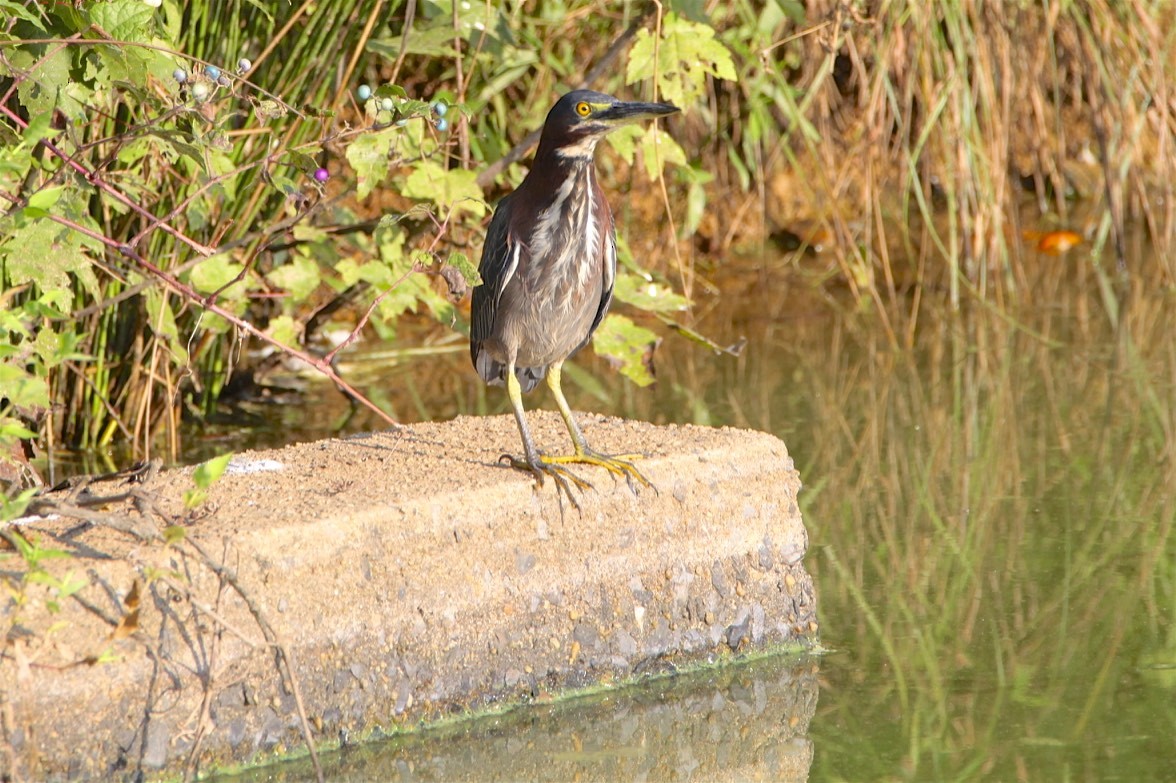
347, 586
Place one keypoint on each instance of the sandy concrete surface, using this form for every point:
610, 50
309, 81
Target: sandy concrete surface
406, 576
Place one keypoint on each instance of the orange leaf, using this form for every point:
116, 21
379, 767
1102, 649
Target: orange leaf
1057, 242
130, 621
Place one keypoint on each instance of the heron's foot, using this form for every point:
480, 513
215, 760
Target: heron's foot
542, 466
617, 464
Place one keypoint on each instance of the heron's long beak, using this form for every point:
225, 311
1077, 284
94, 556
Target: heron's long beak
625, 113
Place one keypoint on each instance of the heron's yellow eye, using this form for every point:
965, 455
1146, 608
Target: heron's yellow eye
583, 109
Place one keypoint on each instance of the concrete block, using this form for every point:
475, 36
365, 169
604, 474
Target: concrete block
408, 576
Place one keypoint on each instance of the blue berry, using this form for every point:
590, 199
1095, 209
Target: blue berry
180, 75
386, 104
212, 72
321, 174
440, 108
364, 92
442, 124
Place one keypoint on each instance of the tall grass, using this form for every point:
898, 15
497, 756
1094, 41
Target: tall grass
935, 122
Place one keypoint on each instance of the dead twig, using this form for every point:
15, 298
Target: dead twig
229, 575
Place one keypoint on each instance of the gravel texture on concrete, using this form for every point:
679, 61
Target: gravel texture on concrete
405, 576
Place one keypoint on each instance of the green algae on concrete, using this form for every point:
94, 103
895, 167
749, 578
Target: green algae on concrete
740, 717
410, 578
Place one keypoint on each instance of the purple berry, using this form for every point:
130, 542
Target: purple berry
321, 174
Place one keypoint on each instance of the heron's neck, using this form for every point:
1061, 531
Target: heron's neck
566, 170
571, 216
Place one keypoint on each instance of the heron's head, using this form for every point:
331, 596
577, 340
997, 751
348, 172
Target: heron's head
583, 117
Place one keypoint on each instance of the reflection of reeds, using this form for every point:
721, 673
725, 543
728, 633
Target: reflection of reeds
993, 510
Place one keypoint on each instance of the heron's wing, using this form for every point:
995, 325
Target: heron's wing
500, 258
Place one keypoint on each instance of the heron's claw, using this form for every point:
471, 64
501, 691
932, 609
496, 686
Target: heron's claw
541, 465
618, 465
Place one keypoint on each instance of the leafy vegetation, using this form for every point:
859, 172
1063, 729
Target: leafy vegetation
191, 190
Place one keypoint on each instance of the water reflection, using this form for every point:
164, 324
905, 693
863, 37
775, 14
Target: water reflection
990, 494
686, 727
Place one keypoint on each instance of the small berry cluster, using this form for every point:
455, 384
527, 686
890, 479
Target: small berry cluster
200, 84
440, 108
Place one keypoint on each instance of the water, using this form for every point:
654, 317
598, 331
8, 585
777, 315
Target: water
990, 498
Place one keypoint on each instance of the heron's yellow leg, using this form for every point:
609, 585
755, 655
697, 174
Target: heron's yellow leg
533, 461
620, 465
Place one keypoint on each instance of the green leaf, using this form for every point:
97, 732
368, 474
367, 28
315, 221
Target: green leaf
628, 347
300, 161
16, 157
14, 508
461, 262
659, 148
221, 164
30, 551
125, 20
18, 11
270, 110
39, 128
45, 198
284, 329
195, 497
368, 156
373, 272
283, 184
795, 11
624, 141
107, 656
48, 73
680, 62
449, 189
22, 388
206, 473
647, 295
299, 277
45, 254
215, 272
174, 534
436, 43
70, 584
11, 429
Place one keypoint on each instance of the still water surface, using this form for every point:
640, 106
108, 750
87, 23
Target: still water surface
990, 498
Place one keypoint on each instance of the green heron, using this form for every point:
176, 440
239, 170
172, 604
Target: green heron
547, 270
